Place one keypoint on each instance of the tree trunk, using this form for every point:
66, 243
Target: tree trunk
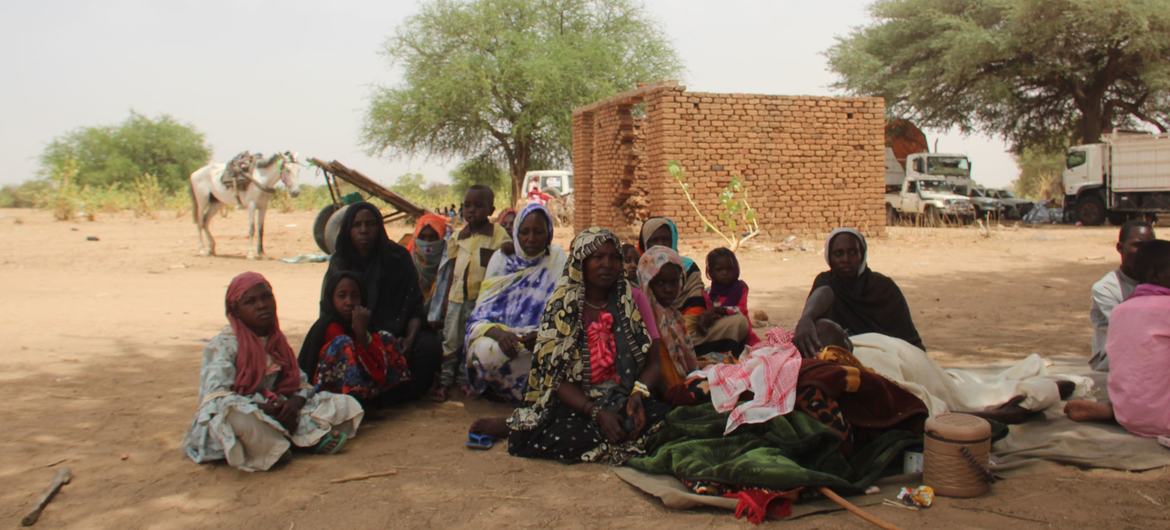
518, 166
1092, 125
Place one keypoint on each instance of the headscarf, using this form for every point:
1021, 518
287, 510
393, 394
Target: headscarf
252, 354
691, 294
730, 294
869, 303
428, 254
388, 276
561, 351
516, 298
327, 314
860, 241
670, 322
504, 215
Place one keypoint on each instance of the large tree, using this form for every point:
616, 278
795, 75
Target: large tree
498, 79
112, 154
1036, 72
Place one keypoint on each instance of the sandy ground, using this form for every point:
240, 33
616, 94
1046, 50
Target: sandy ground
103, 342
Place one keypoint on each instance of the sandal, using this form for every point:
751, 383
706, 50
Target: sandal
337, 440
481, 442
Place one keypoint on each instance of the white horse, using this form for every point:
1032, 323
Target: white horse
209, 193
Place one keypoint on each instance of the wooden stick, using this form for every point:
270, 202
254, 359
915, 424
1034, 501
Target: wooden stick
62, 478
872, 519
352, 478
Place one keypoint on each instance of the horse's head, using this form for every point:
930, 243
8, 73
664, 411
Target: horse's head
290, 169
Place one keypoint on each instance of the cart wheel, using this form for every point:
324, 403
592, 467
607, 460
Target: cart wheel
319, 226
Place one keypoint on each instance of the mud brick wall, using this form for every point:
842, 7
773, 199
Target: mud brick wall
810, 163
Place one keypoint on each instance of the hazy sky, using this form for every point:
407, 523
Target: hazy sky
296, 74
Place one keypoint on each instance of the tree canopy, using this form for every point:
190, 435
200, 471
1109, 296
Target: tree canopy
498, 79
1036, 72
114, 154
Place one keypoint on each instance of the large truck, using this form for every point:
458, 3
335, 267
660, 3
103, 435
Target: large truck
925, 188
925, 185
1126, 175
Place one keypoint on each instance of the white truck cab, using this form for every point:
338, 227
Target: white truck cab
1126, 175
556, 180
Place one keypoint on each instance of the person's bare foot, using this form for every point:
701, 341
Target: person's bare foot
1085, 410
496, 427
437, 393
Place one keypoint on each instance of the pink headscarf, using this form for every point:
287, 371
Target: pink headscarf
252, 354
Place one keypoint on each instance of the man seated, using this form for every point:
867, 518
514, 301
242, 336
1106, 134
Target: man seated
1139, 352
1115, 287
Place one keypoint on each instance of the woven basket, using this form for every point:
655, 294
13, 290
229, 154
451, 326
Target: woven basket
955, 455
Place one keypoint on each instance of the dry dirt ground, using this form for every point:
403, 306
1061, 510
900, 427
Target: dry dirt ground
103, 342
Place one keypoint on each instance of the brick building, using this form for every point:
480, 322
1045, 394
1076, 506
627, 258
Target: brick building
810, 163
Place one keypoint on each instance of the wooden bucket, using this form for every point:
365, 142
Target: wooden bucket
955, 455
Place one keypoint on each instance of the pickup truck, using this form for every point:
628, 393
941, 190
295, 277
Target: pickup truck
929, 201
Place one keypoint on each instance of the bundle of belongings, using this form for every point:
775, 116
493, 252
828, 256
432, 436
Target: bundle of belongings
807, 423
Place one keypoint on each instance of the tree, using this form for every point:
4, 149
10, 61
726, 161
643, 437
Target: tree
1037, 72
481, 171
498, 79
1040, 173
117, 154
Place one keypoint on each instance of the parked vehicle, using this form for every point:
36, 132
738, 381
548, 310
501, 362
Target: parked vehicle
554, 189
1127, 174
925, 190
1014, 208
985, 205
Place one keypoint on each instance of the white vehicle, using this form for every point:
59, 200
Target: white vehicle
1126, 174
552, 180
926, 188
554, 189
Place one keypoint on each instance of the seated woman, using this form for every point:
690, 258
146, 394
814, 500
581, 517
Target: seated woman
852, 295
426, 250
501, 330
391, 292
352, 359
254, 401
1139, 353
588, 397
726, 306
660, 273
720, 336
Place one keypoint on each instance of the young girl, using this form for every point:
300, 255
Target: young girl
350, 358
726, 324
660, 274
630, 257
254, 401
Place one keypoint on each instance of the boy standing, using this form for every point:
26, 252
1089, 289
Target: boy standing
471, 249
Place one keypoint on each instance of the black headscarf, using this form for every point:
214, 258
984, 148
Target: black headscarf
315, 339
869, 303
388, 277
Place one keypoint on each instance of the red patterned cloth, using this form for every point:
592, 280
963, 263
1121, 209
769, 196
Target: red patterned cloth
602, 349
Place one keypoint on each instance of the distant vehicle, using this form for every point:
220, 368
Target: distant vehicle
1014, 208
985, 205
1126, 174
930, 201
554, 189
558, 181
925, 191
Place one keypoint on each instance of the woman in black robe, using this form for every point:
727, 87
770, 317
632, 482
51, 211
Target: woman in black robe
852, 295
392, 295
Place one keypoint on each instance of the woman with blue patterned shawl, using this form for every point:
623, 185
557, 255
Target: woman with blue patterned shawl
501, 331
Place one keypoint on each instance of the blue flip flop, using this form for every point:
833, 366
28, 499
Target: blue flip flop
480, 442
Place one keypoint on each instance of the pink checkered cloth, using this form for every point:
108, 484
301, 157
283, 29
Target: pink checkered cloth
769, 370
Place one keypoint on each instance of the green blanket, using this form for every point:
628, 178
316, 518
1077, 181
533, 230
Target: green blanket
784, 453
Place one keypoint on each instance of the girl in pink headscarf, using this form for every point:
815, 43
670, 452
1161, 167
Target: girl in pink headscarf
254, 401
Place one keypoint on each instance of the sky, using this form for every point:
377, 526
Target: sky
297, 74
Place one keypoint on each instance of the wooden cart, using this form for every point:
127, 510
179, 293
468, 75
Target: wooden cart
335, 171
